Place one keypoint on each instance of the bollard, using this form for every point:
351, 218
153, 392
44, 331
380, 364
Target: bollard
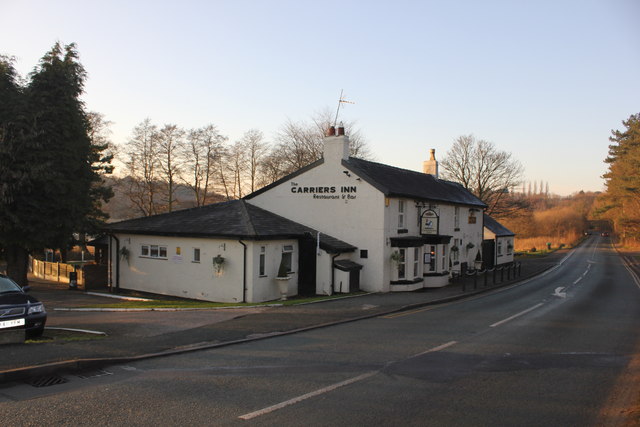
475, 280
509, 272
485, 277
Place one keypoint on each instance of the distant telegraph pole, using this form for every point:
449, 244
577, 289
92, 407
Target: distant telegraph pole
340, 102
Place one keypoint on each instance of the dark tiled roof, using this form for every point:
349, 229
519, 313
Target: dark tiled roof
235, 219
397, 182
496, 228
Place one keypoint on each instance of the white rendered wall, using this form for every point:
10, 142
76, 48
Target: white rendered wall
264, 287
465, 232
350, 210
178, 274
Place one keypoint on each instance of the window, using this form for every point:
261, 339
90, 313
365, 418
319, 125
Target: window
402, 263
499, 247
287, 255
196, 254
416, 260
153, 251
430, 258
456, 218
444, 258
401, 214
263, 254
509, 247
364, 253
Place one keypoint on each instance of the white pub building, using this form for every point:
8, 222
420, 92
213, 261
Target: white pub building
339, 224
411, 229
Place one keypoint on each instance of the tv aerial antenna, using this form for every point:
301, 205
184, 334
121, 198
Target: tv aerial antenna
340, 102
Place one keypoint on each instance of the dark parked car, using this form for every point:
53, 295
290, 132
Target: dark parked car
19, 310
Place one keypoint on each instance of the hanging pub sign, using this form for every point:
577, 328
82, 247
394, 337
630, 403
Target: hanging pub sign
429, 222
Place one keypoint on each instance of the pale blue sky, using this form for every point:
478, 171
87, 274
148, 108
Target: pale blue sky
544, 80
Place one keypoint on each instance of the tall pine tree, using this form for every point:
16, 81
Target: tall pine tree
623, 179
61, 188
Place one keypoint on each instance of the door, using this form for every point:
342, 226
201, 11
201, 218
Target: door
488, 253
307, 267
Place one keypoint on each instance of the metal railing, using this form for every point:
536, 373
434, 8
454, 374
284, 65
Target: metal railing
496, 275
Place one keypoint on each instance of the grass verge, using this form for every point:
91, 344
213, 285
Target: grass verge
63, 336
193, 304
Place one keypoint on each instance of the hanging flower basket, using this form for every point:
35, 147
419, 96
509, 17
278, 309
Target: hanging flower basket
470, 245
124, 254
218, 264
395, 256
454, 248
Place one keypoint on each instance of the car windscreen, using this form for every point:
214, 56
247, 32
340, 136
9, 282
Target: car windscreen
8, 285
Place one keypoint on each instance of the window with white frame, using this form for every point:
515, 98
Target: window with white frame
509, 247
456, 217
263, 256
153, 251
196, 255
499, 247
444, 258
401, 209
402, 264
416, 260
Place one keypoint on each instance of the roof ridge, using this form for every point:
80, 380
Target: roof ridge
245, 213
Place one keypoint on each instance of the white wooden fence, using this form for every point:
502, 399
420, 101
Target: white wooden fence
54, 271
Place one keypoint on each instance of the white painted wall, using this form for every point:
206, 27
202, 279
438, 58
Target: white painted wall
354, 216
179, 275
264, 287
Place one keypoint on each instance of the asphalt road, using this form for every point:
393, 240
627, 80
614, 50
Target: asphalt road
555, 350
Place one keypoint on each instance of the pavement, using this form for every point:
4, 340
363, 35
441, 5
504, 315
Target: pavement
138, 335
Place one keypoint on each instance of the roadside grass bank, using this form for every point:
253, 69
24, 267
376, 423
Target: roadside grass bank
59, 335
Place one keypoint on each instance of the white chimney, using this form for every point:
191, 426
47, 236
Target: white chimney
431, 166
336, 145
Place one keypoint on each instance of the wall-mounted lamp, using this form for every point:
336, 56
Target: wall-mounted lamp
346, 173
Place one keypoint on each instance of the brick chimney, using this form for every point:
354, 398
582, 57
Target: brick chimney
336, 145
431, 166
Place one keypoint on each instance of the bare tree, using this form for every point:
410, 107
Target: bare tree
202, 152
170, 147
235, 169
141, 159
485, 171
256, 150
299, 144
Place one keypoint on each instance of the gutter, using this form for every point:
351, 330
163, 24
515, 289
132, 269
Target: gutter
117, 262
244, 271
